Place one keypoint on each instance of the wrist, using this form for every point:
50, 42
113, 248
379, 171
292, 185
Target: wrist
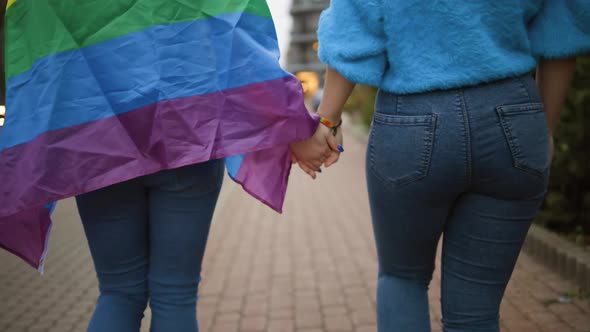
333, 127
334, 117
329, 123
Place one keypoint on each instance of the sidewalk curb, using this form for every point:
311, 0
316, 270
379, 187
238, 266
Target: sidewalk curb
563, 257
549, 249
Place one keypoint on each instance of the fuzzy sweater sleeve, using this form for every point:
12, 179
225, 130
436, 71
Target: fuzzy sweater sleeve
561, 29
351, 40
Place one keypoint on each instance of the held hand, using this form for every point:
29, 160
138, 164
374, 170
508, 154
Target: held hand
313, 152
336, 145
305, 168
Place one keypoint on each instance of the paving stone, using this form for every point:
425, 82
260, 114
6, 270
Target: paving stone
282, 325
338, 323
233, 317
281, 313
253, 324
308, 320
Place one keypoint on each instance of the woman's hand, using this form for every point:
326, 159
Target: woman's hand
313, 152
335, 154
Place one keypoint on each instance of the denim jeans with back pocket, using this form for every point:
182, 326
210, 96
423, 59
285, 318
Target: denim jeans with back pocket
470, 164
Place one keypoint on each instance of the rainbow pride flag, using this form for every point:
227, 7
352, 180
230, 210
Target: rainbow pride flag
99, 92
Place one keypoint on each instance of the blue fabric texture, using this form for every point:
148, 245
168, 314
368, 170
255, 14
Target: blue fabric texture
415, 46
233, 164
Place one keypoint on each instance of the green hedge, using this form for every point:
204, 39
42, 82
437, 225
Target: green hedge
567, 205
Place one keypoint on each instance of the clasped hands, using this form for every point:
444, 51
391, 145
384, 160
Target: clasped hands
322, 149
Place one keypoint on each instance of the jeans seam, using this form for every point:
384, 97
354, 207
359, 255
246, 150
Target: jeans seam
429, 143
371, 144
512, 142
514, 146
467, 136
524, 87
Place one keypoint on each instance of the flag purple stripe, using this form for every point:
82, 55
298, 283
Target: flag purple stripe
25, 234
164, 135
263, 180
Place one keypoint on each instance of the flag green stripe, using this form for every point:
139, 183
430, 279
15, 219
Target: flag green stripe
39, 28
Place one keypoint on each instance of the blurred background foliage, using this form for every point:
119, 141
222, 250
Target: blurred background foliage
567, 205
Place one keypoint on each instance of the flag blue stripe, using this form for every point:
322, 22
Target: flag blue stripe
51, 207
160, 63
233, 164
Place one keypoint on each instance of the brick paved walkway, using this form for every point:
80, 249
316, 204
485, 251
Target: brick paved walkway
308, 270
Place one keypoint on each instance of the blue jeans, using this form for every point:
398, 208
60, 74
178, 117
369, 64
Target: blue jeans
471, 164
147, 238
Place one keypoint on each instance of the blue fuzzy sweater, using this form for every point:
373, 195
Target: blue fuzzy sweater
410, 46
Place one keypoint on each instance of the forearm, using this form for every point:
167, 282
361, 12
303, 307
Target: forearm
554, 78
337, 89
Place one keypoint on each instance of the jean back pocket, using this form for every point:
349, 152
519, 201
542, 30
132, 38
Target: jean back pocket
527, 135
400, 147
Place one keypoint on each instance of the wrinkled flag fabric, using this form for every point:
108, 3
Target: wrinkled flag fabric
100, 92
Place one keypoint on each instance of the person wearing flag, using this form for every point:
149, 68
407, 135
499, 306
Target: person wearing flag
461, 139
134, 107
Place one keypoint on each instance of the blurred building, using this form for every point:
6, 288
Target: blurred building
302, 58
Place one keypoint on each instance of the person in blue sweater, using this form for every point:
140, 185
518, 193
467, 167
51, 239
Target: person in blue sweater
461, 140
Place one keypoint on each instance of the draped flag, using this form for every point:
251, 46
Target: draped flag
100, 92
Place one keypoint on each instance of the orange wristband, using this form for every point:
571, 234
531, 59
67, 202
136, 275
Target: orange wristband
326, 122
329, 124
